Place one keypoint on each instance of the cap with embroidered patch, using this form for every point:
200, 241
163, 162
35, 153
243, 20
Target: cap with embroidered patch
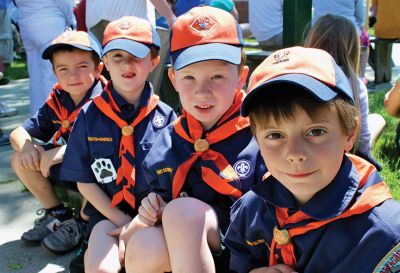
205, 33
132, 34
78, 39
314, 70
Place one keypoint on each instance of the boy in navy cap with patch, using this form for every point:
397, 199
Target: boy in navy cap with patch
208, 157
318, 209
112, 136
77, 65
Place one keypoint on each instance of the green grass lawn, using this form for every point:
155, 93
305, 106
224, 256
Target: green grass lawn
384, 150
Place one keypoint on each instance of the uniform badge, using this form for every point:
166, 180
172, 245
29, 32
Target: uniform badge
390, 263
159, 121
104, 170
243, 168
203, 24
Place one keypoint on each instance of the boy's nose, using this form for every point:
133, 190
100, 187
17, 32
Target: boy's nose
296, 152
203, 89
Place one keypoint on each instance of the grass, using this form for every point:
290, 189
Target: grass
384, 150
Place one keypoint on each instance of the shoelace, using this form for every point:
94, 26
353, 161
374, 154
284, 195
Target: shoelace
68, 230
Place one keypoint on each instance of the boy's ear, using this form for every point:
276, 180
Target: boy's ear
243, 77
171, 76
351, 139
155, 62
105, 61
98, 69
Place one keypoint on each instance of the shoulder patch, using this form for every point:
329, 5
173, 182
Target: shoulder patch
243, 168
390, 263
159, 121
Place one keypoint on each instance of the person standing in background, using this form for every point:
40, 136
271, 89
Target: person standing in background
41, 21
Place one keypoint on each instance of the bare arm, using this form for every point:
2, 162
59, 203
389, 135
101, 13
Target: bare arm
98, 198
165, 10
21, 141
392, 100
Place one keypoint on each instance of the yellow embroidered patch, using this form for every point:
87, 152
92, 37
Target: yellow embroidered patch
100, 139
164, 170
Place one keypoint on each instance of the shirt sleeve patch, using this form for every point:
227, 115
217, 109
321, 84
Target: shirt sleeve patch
390, 263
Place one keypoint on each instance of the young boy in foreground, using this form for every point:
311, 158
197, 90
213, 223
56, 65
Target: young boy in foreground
77, 65
208, 157
112, 136
319, 209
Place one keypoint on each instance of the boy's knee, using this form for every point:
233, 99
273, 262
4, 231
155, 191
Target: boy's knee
15, 161
184, 211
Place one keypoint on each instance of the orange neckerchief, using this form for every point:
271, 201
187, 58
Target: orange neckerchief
282, 238
201, 147
64, 118
126, 169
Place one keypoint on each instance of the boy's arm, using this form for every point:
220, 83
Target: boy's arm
21, 142
99, 199
392, 100
50, 157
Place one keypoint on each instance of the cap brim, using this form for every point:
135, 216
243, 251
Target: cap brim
137, 49
48, 52
206, 52
313, 86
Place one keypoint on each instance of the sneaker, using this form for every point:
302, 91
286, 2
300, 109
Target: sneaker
43, 226
68, 235
6, 111
77, 263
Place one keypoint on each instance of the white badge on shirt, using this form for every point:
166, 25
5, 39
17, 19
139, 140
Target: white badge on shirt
104, 170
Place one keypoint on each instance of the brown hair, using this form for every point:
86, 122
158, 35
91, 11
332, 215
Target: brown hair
338, 36
68, 48
280, 101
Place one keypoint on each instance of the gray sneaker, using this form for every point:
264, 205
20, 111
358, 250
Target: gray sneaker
68, 236
43, 226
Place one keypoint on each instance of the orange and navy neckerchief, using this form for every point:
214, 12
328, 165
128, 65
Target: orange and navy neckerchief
225, 128
65, 118
126, 171
282, 238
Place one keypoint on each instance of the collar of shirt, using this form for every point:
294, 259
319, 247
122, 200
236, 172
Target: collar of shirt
129, 110
327, 203
68, 103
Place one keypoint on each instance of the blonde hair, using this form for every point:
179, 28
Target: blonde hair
338, 36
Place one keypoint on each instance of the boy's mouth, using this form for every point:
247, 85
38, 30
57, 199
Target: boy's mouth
128, 75
299, 174
204, 106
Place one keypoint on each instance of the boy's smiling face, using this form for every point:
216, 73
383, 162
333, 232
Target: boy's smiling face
129, 73
76, 72
207, 89
304, 154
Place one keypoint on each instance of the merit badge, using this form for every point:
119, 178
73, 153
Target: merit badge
104, 170
159, 121
243, 168
391, 262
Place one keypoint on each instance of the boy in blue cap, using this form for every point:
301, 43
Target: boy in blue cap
112, 136
77, 65
208, 157
318, 209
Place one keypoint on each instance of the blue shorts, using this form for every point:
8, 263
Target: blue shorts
55, 179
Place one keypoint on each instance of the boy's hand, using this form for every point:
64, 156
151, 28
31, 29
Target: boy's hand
152, 208
125, 232
49, 158
29, 157
279, 268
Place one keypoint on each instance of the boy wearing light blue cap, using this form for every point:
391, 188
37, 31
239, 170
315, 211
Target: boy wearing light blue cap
114, 134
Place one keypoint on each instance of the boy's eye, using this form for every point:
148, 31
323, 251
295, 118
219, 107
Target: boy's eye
274, 135
216, 77
188, 77
316, 132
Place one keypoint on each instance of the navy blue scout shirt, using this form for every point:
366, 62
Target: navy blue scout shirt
171, 150
95, 136
43, 124
354, 244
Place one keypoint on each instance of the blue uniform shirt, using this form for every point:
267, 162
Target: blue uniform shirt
355, 244
42, 125
171, 150
95, 136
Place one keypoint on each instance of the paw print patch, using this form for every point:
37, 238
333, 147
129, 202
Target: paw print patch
104, 170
